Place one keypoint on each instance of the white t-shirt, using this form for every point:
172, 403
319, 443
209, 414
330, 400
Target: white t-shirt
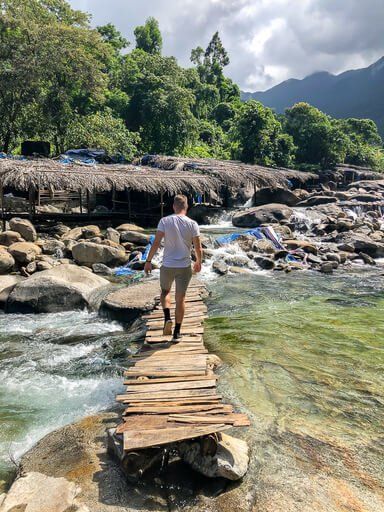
179, 231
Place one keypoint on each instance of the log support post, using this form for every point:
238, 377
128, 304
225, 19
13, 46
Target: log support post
88, 203
81, 201
2, 206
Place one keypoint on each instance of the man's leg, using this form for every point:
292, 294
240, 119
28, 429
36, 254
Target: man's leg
166, 280
182, 278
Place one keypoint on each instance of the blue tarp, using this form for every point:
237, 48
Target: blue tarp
127, 271
265, 233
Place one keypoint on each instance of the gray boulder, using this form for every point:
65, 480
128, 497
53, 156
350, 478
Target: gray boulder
134, 237
7, 262
53, 246
88, 253
267, 214
7, 284
24, 252
129, 227
113, 235
62, 288
220, 268
264, 263
317, 200
276, 195
25, 228
230, 461
8, 238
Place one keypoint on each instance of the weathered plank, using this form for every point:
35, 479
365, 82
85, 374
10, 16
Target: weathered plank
238, 420
166, 394
137, 382
134, 439
172, 386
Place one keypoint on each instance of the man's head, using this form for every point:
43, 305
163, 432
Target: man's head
180, 204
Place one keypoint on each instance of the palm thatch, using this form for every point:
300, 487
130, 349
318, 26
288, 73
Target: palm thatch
23, 175
232, 173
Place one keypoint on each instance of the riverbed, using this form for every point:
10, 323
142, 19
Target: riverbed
303, 354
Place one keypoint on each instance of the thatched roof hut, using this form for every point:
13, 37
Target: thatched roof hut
231, 173
24, 175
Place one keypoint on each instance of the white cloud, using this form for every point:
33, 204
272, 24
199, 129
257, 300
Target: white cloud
268, 40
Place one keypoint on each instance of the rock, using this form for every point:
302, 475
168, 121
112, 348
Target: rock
128, 246
276, 195
239, 270
7, 284
88, 253
8, 238
245, 242
281, 254
52, 246
204, 213
300, 244
43, 265
139, 265
35, 492
263, 246
113, 235
346, 248
220, 268
331, 256
312, 258
111, 243
317, 200
368, 260
31, 268
100, 268
264, 263
7, 262
230, 461
80, 232
129, 227
134, 237
91, 232
59, 229
236, 259
25, 228
343, 225
327, 268
62, 288
267, 214
24, 252
127, 304
94, 240
363, 243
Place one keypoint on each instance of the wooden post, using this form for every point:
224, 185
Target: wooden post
254, 194
31, 194
38, 196
81, 202
88, 204
129, 203
2, 206
162, 204
113, 197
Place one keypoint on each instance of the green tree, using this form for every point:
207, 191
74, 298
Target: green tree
258, 138
112, 36
104, 131
148, 36
318, 140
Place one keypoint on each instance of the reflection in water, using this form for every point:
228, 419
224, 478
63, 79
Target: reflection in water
305, 355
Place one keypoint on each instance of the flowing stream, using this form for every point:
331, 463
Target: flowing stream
303, 354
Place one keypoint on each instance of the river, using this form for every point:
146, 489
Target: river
303, 354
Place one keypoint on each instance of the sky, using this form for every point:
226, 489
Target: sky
268, 41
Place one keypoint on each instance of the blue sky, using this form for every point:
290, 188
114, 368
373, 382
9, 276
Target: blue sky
268, 40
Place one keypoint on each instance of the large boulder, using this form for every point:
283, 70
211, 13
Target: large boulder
62, 288
134, 237
82, 232
88, 253
267, 214
25, 228
35, 492
204, 213
276, 195
362, 243
129, 227
317, 200
230, 460
7, 261
8, 238
53, 247
7, 284
301, 244
113, 235
24, 252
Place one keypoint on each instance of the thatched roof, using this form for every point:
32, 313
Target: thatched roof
231, 173
50, 174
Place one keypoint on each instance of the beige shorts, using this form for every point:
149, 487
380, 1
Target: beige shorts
181, 276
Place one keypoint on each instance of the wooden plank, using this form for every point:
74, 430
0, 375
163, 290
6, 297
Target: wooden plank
176, 401
238, 420
166, 394
164, 373
136, 439
175, 359
169, 409
185, 330
172, 386
169, 379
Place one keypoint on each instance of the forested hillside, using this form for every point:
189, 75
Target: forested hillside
76, 86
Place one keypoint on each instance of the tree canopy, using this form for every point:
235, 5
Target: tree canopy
64, 81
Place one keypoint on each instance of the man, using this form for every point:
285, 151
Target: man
179, 232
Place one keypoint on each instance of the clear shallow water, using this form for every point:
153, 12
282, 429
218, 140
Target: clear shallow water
304, 353
54, 369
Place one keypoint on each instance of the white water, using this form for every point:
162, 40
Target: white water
54, 369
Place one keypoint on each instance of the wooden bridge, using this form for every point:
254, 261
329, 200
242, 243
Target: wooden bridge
171, 392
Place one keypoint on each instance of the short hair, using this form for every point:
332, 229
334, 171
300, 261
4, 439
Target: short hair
180, 202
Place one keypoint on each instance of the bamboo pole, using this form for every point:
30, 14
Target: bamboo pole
81, 202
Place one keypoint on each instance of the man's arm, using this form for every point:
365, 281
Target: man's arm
155, 246
198, 252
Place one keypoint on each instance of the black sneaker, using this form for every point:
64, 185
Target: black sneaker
177, 337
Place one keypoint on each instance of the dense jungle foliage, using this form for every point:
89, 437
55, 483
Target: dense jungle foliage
76, 86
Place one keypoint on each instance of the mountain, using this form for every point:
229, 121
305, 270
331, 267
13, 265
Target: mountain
355, 93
